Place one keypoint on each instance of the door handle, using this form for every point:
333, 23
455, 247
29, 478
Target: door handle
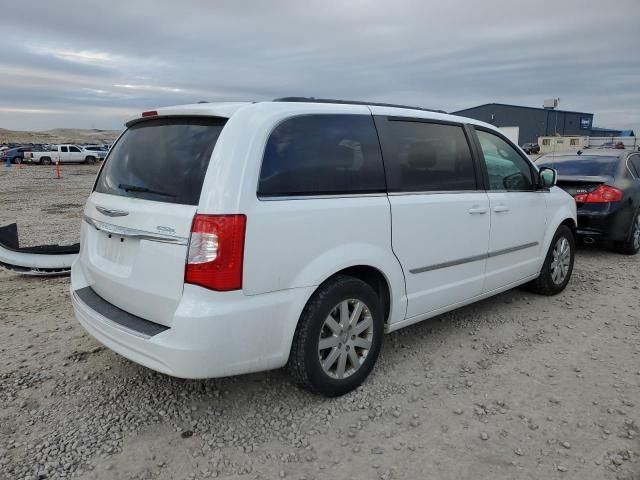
501, 208
477, 210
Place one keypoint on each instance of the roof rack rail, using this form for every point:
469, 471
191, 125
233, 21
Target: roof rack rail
351, 102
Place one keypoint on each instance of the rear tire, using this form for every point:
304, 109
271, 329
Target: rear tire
338, 338
631, 246
45, 161
558, 265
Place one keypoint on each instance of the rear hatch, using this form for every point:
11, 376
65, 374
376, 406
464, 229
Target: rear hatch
138, 219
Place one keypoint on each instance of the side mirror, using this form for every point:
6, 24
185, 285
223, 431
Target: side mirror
548, 177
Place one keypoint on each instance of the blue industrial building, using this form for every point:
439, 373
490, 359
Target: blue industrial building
532, 122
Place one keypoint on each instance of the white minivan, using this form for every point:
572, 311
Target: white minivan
226, 238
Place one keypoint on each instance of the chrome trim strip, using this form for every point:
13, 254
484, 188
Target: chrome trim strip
434, 192
474, 258
511, 249
111, 213
134, 233
266, 198
452, 263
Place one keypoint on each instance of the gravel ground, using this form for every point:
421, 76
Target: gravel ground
515, 387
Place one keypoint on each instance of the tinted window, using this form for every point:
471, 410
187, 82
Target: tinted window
583, 165
318, 154
64, 149
423, 157
74, 149
506, 168
634, 163
161, 159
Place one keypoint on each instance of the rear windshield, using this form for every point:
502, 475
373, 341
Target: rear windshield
161, 159
594, 166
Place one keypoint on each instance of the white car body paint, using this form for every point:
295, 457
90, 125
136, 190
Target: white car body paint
291, 246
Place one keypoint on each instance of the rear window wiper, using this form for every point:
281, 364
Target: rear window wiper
134, 188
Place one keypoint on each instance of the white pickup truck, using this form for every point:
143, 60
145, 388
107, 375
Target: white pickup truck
65, 154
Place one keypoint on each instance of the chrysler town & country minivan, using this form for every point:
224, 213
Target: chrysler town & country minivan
227, 238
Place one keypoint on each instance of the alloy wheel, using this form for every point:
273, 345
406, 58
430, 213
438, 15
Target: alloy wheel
636, 234
561, 260
345, 338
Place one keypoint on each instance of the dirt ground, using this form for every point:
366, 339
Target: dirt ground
515, 387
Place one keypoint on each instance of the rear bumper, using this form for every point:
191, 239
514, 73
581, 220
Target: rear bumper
212, 334
613, 225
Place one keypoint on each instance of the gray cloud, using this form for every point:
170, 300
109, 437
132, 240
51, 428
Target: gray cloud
93, 63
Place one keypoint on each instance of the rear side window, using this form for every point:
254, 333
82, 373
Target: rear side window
161, 159
423, 157
322, 154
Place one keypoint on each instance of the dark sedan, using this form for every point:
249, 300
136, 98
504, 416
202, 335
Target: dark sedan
606, 187
14, 155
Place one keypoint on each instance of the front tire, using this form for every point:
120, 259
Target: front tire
90, 160
558, 265
338, 337
631, 246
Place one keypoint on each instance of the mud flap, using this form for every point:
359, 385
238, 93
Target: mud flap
41, 260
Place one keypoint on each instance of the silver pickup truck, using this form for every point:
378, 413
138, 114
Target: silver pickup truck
65, 154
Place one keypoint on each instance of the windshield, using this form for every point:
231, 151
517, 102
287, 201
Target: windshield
587, 166
161, 159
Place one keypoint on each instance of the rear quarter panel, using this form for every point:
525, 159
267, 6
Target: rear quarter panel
300, 243
560, 207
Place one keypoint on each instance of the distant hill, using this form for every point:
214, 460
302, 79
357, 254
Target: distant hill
59, 135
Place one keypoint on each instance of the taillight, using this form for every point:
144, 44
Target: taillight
216, 251
150, 113
602, 194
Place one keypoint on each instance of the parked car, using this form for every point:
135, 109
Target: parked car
65, 154
15, 155
222, 239
606, 188
94, 153
616, 145
531, 148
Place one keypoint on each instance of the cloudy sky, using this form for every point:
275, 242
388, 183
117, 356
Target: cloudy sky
91, 64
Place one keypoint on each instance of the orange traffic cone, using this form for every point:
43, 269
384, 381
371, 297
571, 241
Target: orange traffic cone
58, 169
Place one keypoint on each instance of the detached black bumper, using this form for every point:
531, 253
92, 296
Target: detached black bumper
39, 260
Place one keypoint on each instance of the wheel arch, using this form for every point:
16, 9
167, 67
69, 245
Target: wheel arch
571, 223
375, 278
561, 210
